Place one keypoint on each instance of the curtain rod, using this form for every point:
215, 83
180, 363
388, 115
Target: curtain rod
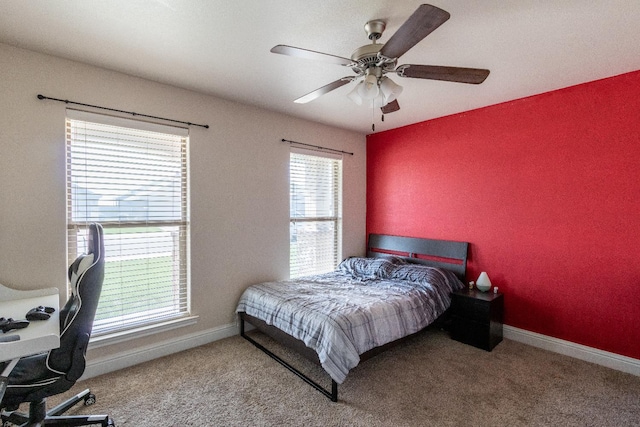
122, 111
317, 146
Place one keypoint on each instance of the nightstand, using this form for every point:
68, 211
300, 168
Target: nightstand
476, 318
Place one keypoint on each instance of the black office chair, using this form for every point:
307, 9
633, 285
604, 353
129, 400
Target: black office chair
37, 377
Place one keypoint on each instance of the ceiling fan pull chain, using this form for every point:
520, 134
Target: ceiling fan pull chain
373, 114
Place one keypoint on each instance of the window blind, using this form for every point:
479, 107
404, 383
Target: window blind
315, 213
132, 177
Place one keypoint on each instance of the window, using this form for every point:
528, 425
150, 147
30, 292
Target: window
315, 187
131, 177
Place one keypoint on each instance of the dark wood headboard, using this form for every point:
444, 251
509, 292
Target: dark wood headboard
434, 253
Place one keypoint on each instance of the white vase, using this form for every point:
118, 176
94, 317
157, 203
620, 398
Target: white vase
483, 283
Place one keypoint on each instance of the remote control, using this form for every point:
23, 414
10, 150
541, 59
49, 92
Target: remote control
10, 324
39, 313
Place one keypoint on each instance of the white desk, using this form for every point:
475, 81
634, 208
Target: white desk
39, 336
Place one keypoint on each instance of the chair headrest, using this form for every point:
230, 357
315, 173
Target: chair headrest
95, 245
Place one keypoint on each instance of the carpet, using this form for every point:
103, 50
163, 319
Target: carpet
430, 380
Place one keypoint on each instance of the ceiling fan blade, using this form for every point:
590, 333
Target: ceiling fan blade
310, 54
450, 74
390, 107
419, 25
324, 89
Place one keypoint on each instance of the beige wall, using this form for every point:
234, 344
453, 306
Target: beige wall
239, 181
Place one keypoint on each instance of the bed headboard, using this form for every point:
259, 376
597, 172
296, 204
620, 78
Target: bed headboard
434, 253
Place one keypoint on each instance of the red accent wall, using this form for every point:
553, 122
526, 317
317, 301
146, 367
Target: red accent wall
547, 191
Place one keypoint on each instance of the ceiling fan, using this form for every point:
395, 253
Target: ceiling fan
373, 61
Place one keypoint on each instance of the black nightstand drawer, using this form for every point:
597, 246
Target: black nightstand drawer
471, 308
482, 335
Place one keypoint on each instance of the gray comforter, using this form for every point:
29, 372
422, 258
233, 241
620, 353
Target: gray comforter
365, 303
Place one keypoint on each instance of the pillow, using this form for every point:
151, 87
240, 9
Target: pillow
423, 274
395, 259
367, 268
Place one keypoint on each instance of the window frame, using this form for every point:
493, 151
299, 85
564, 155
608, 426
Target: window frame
335, 219
76, 227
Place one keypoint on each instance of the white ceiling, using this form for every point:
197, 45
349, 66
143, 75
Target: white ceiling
221, 47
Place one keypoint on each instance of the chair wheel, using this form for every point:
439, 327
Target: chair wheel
90, 399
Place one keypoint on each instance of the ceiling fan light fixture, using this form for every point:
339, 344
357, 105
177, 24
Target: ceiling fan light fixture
390, 89
354, 95
368, 89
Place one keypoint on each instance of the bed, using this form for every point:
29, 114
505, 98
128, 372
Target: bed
365, 306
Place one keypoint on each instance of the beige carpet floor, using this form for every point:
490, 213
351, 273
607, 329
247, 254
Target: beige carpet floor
430, 380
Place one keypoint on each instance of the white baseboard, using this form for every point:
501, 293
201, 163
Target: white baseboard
568, 348
139, 355
144, 354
